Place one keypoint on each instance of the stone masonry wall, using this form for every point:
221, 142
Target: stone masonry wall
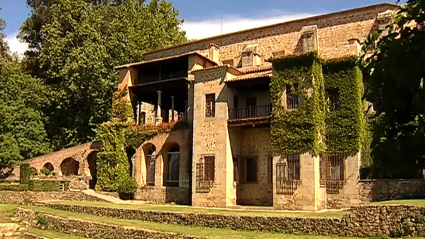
334, 32
159, 192
256, 142
349, 195
33, 197
89, 229
210, 137
390, 189
364, 221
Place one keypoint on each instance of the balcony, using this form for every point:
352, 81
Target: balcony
162, 77
253, 115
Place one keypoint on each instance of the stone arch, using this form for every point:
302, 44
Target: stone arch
49, 166
69, 166
33, 171
149, 154
91, 162
171, 164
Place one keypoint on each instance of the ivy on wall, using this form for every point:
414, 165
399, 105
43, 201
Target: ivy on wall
113, 166
345, 125
300, 130
316, 127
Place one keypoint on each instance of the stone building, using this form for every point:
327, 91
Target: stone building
221, 87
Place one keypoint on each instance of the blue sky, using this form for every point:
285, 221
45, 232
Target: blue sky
202, 17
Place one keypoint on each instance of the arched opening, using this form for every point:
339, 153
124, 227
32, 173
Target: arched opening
69, 167
33, 171
149, 151
91, 160
47, 169
131, 156
172, 166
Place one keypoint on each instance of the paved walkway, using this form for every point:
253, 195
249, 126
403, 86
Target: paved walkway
112, 199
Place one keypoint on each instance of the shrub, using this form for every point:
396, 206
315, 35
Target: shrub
127, 185
33, 172
25, 173
48, 185
13, 187
45, 171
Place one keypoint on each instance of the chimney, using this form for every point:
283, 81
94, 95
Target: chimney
214, 53
355, 47
250, 56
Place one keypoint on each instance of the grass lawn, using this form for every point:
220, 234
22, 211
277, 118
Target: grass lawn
52, 234
410, 202
188, 209
203, 232
6, 212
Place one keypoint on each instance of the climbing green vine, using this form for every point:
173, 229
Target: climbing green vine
116, 136
344, 126
315, 127
299, 130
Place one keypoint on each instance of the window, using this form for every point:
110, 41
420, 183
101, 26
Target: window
334, 99
150, 164
205, 174
173, 167
288, 174
210, 105
270, 169
292, 101
251, 170
142, 118
332, 172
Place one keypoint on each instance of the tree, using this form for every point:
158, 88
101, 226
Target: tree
4, 47
75, 48
394, 76
22, 133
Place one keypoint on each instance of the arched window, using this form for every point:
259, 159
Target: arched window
150, 156
172, 166
70, 166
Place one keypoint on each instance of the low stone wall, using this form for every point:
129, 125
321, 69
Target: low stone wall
89, 229
178, 195
361, 222
26, 197
391, 189
111, 194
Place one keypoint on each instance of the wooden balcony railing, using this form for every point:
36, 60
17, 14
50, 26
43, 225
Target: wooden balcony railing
250, 112
164, 76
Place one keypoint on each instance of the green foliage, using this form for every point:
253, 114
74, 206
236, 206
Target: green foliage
394, 79
48, 185
128, 185
24, 173
122, 110
42, 221
344, 126
300, 130
74, 45
46, 172
22, 133
33, 172
13, 187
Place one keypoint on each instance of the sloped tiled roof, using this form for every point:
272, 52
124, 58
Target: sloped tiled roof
166, 58
250, 76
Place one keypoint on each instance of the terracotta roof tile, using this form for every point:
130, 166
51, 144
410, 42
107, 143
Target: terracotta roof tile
214, 67
252, 69
250, 76
165, 58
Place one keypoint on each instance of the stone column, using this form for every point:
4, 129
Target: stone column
185, 110
172, 108
158, 119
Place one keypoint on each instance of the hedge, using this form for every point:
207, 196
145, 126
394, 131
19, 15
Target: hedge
24, 173
37, 186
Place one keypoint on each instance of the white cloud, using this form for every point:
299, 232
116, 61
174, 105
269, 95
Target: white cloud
15, 45
212, 27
